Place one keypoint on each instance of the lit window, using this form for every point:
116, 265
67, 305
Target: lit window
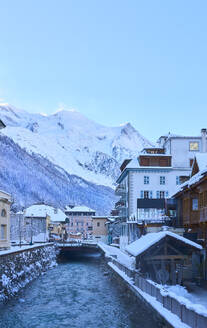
194, 146
162, 180
146, 179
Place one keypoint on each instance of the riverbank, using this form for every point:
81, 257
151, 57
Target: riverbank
20, 265
170, 310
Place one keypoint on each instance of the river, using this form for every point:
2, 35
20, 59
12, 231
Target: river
75, 294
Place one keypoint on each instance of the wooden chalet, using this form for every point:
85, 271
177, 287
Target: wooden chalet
164, 257
192, 201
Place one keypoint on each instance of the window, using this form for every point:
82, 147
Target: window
162, 180
146, 194
3, 213
161, 194
146, 179
195, 204
194, 146
3, 231
98, 224
177, 180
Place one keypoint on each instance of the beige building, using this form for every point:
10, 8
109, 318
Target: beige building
100, 231
5, 202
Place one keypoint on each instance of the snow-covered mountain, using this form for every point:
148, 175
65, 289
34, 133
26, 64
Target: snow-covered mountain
74, 143
30, 179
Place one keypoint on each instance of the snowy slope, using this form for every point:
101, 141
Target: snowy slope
31, 179
73, 142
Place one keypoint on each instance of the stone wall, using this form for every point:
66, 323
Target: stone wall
18, 268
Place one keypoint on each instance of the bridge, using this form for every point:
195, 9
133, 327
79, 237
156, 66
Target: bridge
75, 248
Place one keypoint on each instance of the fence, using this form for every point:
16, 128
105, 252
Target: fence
130, 273
188, 316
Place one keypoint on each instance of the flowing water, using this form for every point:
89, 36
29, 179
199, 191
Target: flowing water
75, 294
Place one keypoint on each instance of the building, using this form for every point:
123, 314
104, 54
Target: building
183, 148
37, 221
57, 225
80, 221
5, 203
100, 231
165, 257
154, 174
191, 199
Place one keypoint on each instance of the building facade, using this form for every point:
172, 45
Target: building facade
154, 174
80, 221
36, 222
100, 231
5, 202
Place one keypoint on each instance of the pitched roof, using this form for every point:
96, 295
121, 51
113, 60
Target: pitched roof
142, 244
201, 160
43, 210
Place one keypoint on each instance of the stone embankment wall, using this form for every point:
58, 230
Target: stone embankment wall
18, 268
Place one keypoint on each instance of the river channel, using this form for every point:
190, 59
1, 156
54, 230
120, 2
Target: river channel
75, 294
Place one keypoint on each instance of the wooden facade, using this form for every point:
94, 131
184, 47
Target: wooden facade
162, 161
167, 261
192, 209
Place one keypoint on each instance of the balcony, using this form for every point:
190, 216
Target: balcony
120, 190
151, 215
120, 204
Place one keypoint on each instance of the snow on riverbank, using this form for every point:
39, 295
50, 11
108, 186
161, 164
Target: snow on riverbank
120, 256
196, 301
173, 319
15, 249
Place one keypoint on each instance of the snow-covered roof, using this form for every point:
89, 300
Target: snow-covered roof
79, 209
201, 159
55, 214
142, 244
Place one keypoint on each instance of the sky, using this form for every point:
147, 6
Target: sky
116, 61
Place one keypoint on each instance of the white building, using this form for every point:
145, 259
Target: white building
155, 173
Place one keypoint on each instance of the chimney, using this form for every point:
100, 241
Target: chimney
203, 141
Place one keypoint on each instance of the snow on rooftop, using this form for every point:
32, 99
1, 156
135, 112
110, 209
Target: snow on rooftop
55, 214
79, 209
201, 159
142, 244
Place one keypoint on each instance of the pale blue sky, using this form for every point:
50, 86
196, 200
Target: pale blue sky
113, 60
